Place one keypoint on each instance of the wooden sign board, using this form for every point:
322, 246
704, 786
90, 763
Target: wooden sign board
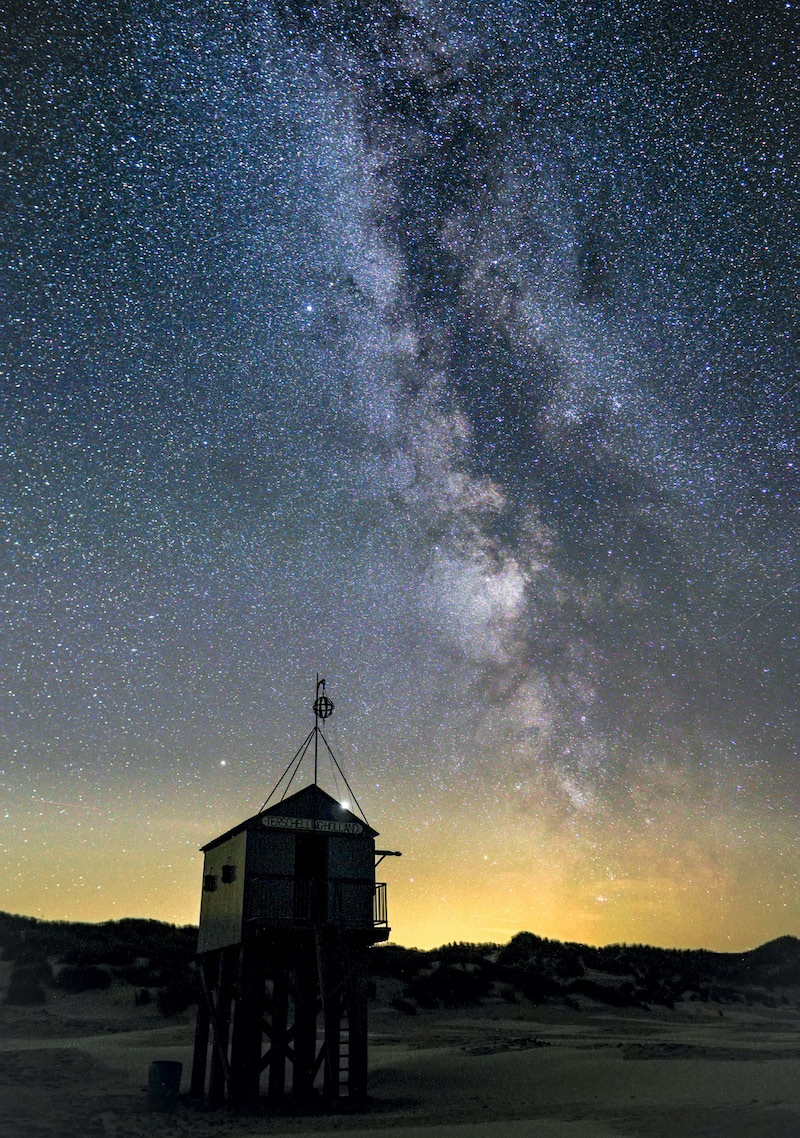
312, 825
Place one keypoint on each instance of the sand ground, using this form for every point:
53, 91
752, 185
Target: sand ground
78, 1067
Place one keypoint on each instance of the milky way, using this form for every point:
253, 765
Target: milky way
448, 350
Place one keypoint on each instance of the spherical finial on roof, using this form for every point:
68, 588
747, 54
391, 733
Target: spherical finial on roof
323, 707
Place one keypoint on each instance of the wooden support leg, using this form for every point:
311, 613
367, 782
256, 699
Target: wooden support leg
280, 1016
217, 1087
305, 1021
357, 1022
247, 1020
200, 1057
332, 1017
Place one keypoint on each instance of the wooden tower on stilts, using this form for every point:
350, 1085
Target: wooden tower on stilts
289, 909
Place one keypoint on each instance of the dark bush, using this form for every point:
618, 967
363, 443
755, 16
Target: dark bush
172, 972
100, 951
530, 962
83, 979
86, 955
449, 985
173, 954
460, 952
538, 988
622, 997
567, 965
141, 974
142, 997
520, 949
176, 998
36, 965
25, 988
654, 995
120, 954
404, 1006
395, 961
421, 989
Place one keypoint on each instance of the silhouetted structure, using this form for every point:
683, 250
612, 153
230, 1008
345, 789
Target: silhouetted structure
289, 908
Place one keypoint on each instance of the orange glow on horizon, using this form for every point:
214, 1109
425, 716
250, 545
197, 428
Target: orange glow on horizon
463, 883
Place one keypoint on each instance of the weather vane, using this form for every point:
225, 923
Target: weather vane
323, 706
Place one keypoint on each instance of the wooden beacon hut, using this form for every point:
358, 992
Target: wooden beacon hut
289, 907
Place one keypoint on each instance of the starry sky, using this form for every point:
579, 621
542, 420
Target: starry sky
446, 349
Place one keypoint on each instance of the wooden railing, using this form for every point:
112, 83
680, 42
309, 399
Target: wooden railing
285, 900
380, 911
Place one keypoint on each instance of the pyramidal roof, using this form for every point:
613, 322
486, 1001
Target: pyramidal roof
315, 803
311, 804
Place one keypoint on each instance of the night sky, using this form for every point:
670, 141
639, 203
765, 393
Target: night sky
446, 349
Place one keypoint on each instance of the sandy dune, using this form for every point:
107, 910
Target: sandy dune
520, 1128
79, 1067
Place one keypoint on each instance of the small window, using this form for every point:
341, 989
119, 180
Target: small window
209, 883
228, 874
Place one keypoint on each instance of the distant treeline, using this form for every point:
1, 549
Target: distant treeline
111, 942
623, 975
158, 960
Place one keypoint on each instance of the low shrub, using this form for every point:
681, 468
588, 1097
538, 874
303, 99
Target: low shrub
25, 988
83, 978
141, 975
538, 988
396, 961
617, 997
176, 998
450, 985
404, 1006
35, 964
